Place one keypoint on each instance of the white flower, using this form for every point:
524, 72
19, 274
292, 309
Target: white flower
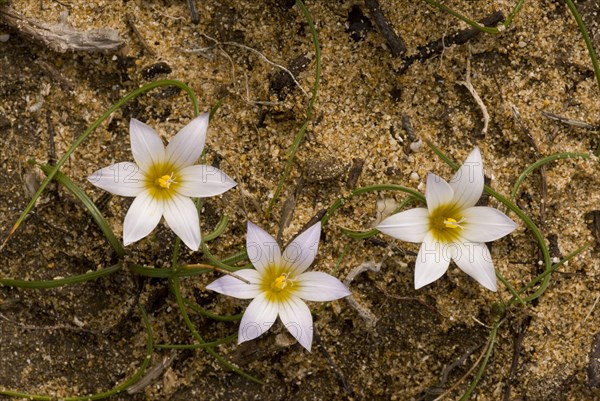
162, 180
452, 227
278, 284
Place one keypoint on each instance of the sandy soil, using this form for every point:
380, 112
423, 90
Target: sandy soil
87, 338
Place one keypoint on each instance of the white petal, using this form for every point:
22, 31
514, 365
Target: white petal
146, 145
297, 319
141, 218
262, 249
432, 261
181, 216
301, 252
468, 181
203, 181
411, 225
474, 259
319, 286
438, 192
258, 318
485, 224
124, 179
229, 285
185, 148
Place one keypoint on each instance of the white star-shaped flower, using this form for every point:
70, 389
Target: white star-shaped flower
452, 227
162, 180
279, 284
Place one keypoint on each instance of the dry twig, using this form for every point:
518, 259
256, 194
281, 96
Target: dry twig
570, 121
459, 38
138, 35
153, 373
395, 42
467, 84
220, 44
362, 310
61, 37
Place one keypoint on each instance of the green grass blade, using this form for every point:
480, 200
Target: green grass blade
59, 282
371, 188
180, 303
291, 153
89, 205
155, 272
586, 39
218, 230
225, 340
488, 353
516, 9
540, 163
214, 316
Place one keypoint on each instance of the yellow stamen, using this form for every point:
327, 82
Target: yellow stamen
165, 181
452, 223
281, 282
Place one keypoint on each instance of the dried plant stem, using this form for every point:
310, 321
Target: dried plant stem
61, 37
467, 84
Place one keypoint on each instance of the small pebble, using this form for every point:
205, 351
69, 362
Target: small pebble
4, 37
416, 146
414, 176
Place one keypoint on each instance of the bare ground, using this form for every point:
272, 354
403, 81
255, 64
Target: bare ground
88, 338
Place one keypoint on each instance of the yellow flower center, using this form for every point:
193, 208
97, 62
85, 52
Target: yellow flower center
445, 223
165, 181
162, 181
281, 282
277, 284
452, 223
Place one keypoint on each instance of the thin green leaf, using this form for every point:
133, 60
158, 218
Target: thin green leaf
214, 316
371, 188
225, 340
291, 153
89, 205
177, 292
61, 281
218, 229
540, 163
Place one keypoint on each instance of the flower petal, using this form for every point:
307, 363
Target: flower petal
438, 192
474, 259
432, 261
468, 181
181, 216
229, 285
297, 319
203, 181
124, 179
146, 145
484, 224
263, 251
319, 286
185, 148
258, 318
141, 218
301, 252
411, 225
